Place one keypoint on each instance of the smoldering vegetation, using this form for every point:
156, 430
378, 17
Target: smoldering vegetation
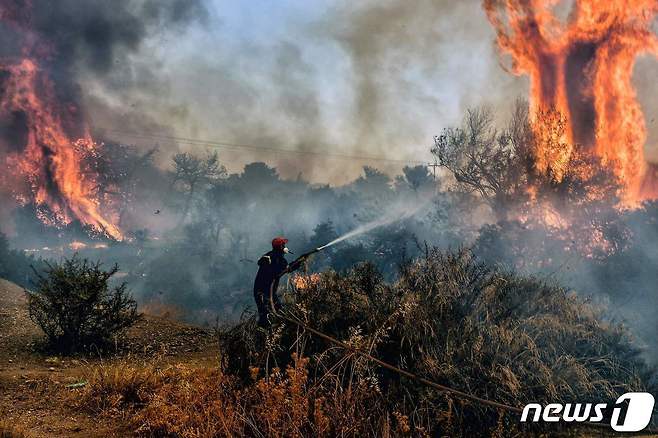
195, 230
447, 317
539, 305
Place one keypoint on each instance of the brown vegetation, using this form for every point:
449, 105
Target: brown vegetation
9, 431
189, 402
35, 388
448, 318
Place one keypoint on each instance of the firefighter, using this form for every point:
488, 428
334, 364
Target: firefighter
271, 267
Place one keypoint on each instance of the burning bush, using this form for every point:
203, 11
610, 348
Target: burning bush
522, 172
459, 323
74, 305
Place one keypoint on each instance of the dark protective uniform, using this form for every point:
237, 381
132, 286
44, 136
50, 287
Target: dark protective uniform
270, 268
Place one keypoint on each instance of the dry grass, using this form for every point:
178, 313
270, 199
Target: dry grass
182, 401
460, 323
156, 307
489, 333
7, 430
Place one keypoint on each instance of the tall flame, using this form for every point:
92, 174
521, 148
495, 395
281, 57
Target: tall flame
50, 161
582, 68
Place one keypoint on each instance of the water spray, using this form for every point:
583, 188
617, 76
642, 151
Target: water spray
386, 220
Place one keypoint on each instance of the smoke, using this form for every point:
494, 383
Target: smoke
78, 39
396, 213
374, 78
92, 36
367, 79
47, 48
398, 54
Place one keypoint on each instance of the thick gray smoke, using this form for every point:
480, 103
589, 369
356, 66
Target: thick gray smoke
400, 52
373, 78
366, 79
75, 39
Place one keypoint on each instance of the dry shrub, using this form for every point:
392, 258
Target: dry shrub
8, 430
76, 307
447, 318
462, 324
113, 387
156, 307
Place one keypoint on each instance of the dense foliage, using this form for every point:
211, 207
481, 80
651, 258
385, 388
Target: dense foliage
75, 306
448, 318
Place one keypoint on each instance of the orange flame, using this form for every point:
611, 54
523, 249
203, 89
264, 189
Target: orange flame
582, 68
303, 281
49, 161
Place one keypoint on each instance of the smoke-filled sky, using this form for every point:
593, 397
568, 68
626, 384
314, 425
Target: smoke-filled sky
370, 78
376, 79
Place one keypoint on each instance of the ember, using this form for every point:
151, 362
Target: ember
301, 281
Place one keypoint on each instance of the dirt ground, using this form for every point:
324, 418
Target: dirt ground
35, 400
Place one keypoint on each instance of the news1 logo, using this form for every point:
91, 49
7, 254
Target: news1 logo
637, 412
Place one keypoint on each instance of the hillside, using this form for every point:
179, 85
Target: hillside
33, 384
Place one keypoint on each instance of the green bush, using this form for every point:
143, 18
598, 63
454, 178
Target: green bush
75, 306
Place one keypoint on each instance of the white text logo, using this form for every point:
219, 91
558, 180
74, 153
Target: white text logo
638, 413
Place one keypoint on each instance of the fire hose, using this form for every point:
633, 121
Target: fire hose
441, 388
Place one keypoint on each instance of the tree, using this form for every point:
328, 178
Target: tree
415, 178
323, 233
373, 181
192, 172
259, 175
75, 307
528, 165
485, 160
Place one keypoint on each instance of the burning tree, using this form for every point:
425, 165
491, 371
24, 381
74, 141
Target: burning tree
513, 168
524, 175
496, 165
46, 142
583, 69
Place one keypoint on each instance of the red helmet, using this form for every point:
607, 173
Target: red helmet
279, 242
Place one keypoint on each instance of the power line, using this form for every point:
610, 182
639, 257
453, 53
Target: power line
238, 146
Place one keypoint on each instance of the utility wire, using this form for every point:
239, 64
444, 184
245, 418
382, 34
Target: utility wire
237, 146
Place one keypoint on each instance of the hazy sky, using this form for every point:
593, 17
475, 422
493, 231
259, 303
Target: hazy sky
377, 79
